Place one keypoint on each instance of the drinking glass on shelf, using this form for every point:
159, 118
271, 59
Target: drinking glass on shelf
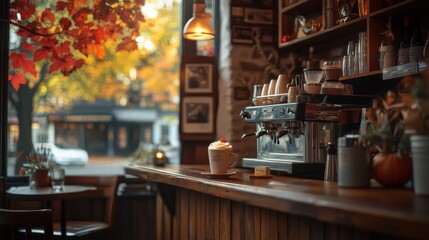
345, 66
363, 63
351, 48
257, 90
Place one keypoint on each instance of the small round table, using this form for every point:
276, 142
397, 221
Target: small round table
26, 193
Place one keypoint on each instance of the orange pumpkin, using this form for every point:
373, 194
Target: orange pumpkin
390, 170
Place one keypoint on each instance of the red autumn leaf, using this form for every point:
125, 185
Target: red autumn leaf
127, 44
65, 64
25, 9
63, 49
79, 63
41, 54
99, 35
17, 80
47, 15
65, 23
28, 47
81, 16
20, 60
63, 6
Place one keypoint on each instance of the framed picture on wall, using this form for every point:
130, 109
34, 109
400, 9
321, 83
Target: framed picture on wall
197, 115
258, 16
242, 34
198, 77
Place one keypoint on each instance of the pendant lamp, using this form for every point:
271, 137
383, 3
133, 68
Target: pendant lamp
199, 26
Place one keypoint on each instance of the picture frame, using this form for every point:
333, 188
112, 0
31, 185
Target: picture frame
197, 115
258, 16
247, 34
237, 15
198, 77
242, 34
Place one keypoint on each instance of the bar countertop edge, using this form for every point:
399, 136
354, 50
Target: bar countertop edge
375, 209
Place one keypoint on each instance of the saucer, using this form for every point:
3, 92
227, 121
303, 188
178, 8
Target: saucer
218, 175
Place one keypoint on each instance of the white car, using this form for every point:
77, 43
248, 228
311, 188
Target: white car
64, 156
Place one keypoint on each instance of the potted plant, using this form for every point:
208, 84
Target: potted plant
37, 167
391, 164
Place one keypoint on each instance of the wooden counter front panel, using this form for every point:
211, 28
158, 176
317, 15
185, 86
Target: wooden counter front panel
201, 216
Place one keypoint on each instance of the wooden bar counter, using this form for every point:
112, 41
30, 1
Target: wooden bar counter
191, 205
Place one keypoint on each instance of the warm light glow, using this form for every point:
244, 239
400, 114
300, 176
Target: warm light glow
149, 11
145, 43
133, 74
199, 26
159, 155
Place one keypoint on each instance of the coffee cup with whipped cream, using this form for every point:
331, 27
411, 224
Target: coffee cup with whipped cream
221, 157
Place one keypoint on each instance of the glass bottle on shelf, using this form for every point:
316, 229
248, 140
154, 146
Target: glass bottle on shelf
426, 48
386, 52
416, 43
404, 44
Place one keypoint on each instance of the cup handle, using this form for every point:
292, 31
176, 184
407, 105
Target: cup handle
233, 160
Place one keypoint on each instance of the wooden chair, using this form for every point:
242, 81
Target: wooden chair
11, 220
92, 217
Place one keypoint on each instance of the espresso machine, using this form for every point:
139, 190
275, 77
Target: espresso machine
292, 137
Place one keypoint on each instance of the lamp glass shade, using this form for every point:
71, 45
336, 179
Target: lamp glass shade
199, 26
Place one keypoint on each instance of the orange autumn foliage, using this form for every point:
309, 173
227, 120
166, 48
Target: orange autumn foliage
68, 30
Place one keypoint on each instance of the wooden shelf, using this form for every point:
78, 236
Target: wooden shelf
396, 9
363, 75
331, 43
339, 31
302, 6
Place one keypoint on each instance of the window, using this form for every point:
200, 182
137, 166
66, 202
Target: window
109, 106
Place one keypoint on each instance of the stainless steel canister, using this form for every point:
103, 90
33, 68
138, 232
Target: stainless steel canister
353, 162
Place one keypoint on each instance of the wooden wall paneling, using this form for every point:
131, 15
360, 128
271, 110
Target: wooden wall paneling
210, 217
345, 232
293, 227
184, 214
176, 217
224, 219
159, 215
237, 221
201, 215
257, 223
273, 225
252, 222
216, 229
265, 223
192, 215
331, 231
316, 230
360, 234
166, 222
282, 221
304, 228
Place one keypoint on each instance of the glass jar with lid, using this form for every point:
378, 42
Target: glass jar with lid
332, 87
332, 71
